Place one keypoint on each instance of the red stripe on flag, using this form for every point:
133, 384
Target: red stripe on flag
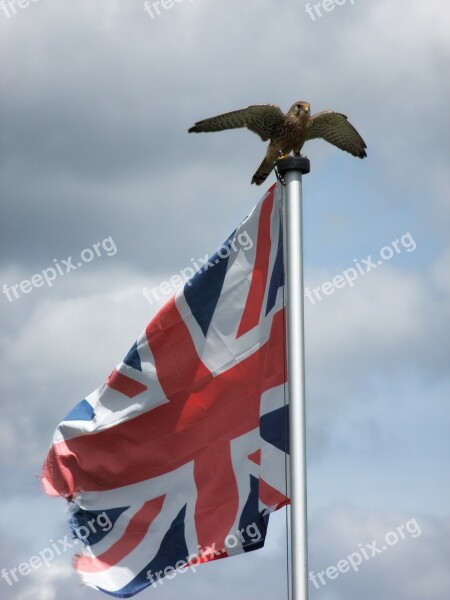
167, 333
134, 533
125, 385
270, 496
255, 457
252, 311
218, 498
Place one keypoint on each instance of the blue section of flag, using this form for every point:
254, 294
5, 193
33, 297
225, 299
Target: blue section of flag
91, 526
202, 291
83, 411
132, 359
277, 277
173, 549
251, 522
274, 428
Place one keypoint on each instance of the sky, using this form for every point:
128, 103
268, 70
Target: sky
96, 164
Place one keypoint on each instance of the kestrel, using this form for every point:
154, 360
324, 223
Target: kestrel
287, 133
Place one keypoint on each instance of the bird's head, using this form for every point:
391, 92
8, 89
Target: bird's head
300, 109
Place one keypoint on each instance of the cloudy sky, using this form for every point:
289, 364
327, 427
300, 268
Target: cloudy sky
95, 101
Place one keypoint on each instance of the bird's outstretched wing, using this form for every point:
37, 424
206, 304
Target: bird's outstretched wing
263, 119
335, 129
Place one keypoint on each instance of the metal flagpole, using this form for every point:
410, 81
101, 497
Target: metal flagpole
292, 169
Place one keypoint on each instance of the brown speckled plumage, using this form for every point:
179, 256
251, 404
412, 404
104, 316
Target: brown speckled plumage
287, 133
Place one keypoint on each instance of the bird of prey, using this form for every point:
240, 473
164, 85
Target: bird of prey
287, 132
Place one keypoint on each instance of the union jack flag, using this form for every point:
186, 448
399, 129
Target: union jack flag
183, 449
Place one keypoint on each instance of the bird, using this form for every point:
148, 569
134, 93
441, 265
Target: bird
287, 132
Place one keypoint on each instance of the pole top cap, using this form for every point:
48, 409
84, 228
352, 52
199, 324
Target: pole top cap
293, 163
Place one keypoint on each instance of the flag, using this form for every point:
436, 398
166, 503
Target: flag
180, 457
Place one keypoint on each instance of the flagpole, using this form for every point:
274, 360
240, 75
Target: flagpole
292, 169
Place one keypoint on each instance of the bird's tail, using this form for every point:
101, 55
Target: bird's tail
265, 168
